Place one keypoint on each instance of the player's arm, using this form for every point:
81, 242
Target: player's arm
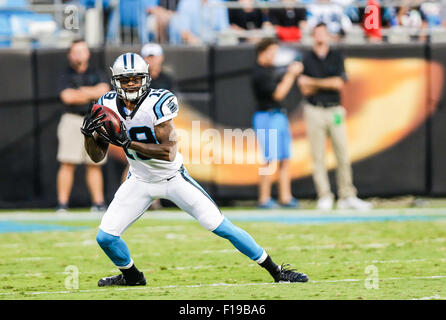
166, 149
95, 147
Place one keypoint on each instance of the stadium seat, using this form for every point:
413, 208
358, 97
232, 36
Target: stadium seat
129, 13
21, 27
5, 30
4, 4
41, 24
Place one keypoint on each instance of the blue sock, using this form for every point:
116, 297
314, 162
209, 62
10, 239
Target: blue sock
115, 248
240, 239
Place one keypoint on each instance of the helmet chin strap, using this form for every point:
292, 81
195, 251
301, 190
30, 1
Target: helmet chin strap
128, 96
136, 94
131, 96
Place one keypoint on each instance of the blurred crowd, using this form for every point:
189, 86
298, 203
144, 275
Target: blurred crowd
233, 21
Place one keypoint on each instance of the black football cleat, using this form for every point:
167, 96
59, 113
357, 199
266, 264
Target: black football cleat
119, 280
290, 275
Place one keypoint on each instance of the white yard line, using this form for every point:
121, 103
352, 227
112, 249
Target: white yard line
436, 297
10, 245
213, 266
179, 215
33, 258
210, 285
89, 242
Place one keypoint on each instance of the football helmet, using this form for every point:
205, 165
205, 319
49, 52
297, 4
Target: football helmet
130, 65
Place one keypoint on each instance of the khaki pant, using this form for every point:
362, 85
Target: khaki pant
71, 141
322, 122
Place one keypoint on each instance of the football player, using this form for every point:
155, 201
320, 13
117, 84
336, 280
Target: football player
148, 138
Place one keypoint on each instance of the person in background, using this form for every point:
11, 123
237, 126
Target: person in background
198, 22
159, 13
154, 57
247, 18
289, 22
80, 85
270, 89
330, 13
431, 14
321, 83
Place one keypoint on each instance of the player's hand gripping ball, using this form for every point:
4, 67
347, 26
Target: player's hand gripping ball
109, 119
92, 121
112, 130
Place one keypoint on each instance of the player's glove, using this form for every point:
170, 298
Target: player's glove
120, 139
92, 122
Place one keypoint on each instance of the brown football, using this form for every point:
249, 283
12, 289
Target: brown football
111, 119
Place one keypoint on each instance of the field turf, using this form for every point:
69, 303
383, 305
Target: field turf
382, 254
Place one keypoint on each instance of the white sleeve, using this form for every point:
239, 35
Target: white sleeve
166, 108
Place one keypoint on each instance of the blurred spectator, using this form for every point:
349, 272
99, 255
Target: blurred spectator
198, 22
321, 83
80, 84
270, 121
159, 18
288, 21
431, 14
414, 17
332, 15
351, 9
409, 17
154, 57
134, 23
389, 17
129, 20
247, 18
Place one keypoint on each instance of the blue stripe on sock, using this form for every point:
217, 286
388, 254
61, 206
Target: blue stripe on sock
240, 239
114, 247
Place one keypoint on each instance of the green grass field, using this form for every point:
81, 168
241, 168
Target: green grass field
406, 250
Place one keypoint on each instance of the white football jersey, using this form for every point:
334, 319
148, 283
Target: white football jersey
157, 106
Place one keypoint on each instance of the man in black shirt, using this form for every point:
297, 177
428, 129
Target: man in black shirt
80, 84
271, 123
321, 84
247, 18
288, 21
